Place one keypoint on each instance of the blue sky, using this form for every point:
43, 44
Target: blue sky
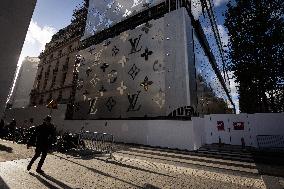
219, 8
54, 13
49, 16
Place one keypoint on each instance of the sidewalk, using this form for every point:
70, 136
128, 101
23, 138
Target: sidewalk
126, 171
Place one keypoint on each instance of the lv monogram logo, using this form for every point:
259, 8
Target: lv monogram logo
134, 44
133, 101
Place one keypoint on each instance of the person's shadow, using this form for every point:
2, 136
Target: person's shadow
48, 181
5, 148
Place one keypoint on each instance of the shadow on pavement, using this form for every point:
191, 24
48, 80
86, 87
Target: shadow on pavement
5, 148
269, 163
59, 183
200, 166
132, 167
189, 156
99, 172
44, 179
3, 185
149, 186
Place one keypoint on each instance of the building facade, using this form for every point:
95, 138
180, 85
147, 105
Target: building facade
151, 63
21, 94
15, 17
54, 78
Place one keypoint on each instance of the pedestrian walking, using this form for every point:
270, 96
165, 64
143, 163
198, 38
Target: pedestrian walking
44, 132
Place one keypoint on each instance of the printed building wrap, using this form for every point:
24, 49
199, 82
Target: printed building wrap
146, 71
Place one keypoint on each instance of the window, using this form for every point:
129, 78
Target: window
56, 67
37, 85
54, 78
44, 84
48, 69
53, 81
65, 66
47, 72
49, 98
60, 53
63, 79
70, 48
67, 60
59, 98
41, 99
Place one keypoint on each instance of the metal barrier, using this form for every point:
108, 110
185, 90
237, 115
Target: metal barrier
96, 142
275, 142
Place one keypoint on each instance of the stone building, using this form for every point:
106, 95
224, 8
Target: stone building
21, 95
55, 72
54, 79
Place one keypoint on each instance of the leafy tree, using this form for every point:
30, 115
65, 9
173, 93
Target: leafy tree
256, 29
77, 26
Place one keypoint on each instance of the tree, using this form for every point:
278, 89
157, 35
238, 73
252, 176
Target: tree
77, 26
256, 30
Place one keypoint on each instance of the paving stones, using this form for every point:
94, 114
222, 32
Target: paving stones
66, 171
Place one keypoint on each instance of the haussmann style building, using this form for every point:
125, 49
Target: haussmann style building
55, 76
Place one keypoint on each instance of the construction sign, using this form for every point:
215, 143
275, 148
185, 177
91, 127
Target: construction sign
220, 126
239, 125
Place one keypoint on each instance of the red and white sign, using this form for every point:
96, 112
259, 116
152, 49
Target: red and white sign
239, 125
220, 126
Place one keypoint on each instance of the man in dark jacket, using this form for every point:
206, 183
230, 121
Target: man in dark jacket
44, 133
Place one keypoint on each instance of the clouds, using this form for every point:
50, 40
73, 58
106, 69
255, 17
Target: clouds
234, 91
222, 31
196, 6
218, 3
35, 41
223, 35
39, 35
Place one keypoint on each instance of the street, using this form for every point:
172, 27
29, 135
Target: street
131, 168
